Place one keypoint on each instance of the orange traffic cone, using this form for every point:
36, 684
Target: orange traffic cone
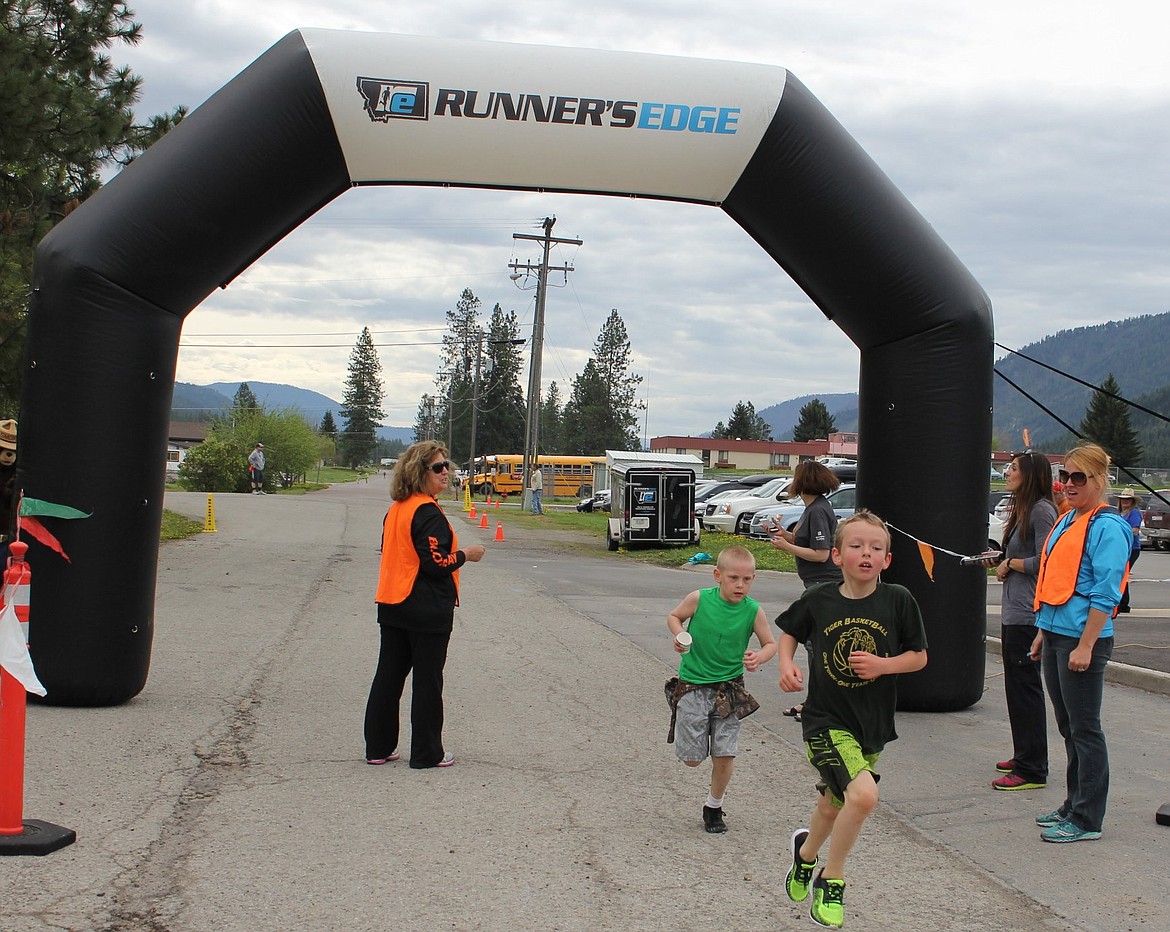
497, 503
18, 835
472, 514
483, 519
499, 531
488, 500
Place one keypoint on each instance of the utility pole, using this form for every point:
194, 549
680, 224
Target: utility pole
532, 421
475, 404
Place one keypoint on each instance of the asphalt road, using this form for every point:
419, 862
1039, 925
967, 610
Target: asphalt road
231, 794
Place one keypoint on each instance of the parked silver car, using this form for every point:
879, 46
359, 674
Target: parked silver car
723, 511
787, 516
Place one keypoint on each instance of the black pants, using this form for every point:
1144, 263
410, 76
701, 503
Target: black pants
401, 652
1027, 714
1124, 604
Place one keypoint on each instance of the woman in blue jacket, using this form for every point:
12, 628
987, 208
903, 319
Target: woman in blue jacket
1083, 568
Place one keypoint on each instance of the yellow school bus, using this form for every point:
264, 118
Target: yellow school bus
503, 473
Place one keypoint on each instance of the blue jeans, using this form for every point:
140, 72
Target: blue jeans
1076, 701
537, 507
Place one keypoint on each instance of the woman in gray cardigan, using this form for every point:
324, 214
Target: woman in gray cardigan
1029, 480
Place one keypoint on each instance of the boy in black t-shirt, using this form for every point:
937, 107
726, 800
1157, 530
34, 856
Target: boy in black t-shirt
862, 633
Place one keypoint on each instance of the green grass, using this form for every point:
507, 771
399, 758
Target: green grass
178, 527
767, 556
594, 523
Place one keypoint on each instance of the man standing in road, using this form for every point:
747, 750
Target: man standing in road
256, 469
536, 487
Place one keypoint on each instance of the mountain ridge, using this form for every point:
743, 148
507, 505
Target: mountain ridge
198, 402
1125, 348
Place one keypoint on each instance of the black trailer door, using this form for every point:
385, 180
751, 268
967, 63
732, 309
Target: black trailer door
678, 505
643, 504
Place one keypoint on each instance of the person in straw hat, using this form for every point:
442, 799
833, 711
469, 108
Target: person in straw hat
7, 483
1127, 504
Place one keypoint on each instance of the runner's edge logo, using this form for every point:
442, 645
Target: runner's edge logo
387, 99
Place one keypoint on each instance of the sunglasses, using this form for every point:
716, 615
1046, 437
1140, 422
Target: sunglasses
438, 468
1074, 478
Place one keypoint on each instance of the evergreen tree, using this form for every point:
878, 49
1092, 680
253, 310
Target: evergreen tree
65, 115
1106, 422
327, 439
244, 401
500, 408
361, 405
816, 423
328, 428
461, 345
426, 422
601, 412
744, 424
552, 422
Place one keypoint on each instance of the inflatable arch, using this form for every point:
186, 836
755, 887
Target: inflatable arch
322, 111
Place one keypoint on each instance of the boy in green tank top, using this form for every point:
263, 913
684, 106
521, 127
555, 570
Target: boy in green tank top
710, 697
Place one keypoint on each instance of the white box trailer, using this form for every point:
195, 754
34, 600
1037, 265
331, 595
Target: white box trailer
602, 471
652, 504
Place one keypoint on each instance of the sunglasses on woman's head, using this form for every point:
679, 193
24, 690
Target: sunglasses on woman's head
1074, 478
444, 466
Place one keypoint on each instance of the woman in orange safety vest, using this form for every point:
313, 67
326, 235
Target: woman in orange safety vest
1083, 569
418, 589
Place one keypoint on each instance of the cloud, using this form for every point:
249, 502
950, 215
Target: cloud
1035, 138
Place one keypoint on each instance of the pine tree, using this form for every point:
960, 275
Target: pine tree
1106, 422
327, 428
327, 439
816, 423
65, 115
500, 408
744, 424
244, 401
426, 421
601, 412
461, 344
361, 403
552, 421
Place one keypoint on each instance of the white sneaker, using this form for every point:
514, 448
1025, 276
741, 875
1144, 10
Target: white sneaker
447, 761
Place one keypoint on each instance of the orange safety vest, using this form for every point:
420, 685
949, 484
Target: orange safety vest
1056, 582
400, 562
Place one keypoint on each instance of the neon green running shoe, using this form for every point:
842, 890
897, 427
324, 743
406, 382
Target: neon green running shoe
799, 877
828, 902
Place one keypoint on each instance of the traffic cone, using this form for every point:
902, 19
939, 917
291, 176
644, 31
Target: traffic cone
18, 835
488, 500
499, 531
483, 519
497, 503
472, 515
209, 521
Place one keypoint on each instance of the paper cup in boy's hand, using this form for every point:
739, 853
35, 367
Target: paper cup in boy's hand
683, 640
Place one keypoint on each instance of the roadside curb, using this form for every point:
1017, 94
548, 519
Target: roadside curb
1121, 674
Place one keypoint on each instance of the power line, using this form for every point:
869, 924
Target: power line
296, 345
317, 333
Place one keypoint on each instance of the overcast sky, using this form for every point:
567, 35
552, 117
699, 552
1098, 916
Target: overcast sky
1034, 136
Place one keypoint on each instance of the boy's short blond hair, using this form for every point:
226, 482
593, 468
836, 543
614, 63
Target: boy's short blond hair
735, 555
863, 516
